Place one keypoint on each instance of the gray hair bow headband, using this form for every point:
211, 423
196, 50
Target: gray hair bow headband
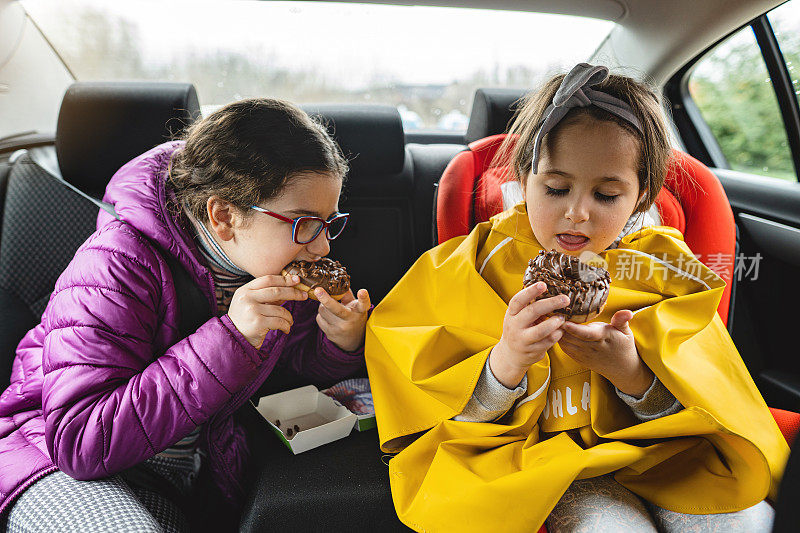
575, 91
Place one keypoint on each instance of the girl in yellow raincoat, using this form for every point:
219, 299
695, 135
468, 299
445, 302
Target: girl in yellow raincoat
644, 419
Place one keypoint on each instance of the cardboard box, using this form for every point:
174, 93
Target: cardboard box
366, 422
320, 418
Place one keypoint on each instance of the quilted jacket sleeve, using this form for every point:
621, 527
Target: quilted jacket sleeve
109, 401
311, 354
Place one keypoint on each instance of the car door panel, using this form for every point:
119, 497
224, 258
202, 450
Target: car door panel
767, 213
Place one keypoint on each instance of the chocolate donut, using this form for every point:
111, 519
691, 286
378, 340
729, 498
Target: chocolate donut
325, 273
586, 286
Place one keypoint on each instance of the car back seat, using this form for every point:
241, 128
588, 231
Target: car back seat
388, 193
377, 245
100, 127
429, 161
492, 112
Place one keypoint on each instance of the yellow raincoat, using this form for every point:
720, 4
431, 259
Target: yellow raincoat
427, 343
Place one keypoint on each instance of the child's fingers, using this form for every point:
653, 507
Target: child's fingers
327, 314
524, 297
584, 332
276, 322
542, 307
323, 324
620, 320
568, 347
272, 280
364, 302
547, 342
543, 329
275, 311
273, 295
347, 298
574, 343
568, 336
329, 303
256, 318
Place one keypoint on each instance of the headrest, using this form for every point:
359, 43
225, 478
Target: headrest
103, 125
370, 136
492, 111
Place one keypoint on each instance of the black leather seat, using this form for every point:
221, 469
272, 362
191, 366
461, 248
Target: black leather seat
100, 127
378, 243
492, 112
341, 486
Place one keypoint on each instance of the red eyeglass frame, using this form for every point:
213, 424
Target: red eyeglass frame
295, 221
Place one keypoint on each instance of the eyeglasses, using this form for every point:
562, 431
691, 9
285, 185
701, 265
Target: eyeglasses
306, 228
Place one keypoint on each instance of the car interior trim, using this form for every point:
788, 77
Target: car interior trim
774, 238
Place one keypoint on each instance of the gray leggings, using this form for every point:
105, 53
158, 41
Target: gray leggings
601, 504
128, 502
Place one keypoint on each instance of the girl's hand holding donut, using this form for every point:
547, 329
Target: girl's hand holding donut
609, 350
527, 334
344, 323
256, 306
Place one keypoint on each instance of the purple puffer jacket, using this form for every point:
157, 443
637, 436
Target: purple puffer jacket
104, 382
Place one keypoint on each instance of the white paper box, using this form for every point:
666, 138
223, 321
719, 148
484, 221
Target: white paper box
320, 418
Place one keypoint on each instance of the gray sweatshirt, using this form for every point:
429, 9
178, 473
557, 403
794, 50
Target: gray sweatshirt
491, 400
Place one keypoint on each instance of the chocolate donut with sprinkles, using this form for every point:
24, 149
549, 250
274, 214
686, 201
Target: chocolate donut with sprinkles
587, 286
325, 273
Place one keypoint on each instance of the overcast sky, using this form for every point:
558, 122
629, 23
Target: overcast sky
348, 41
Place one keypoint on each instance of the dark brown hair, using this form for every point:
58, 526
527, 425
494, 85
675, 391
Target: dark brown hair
654, 142
247, 152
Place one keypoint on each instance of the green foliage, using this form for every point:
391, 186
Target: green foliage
733, 90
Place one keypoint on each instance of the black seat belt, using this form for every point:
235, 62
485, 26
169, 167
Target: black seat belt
192, 303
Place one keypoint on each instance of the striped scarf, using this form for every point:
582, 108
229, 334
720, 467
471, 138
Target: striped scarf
227, 276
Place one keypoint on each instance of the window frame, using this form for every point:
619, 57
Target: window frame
692, 127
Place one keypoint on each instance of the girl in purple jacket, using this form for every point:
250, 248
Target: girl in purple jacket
106, 389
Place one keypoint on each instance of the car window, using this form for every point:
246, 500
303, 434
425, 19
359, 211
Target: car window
785, 22
734, 93
426, 61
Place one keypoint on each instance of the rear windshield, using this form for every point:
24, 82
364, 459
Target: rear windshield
426, 61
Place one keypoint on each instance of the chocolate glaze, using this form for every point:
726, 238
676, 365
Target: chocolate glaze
325, 273
587, 286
